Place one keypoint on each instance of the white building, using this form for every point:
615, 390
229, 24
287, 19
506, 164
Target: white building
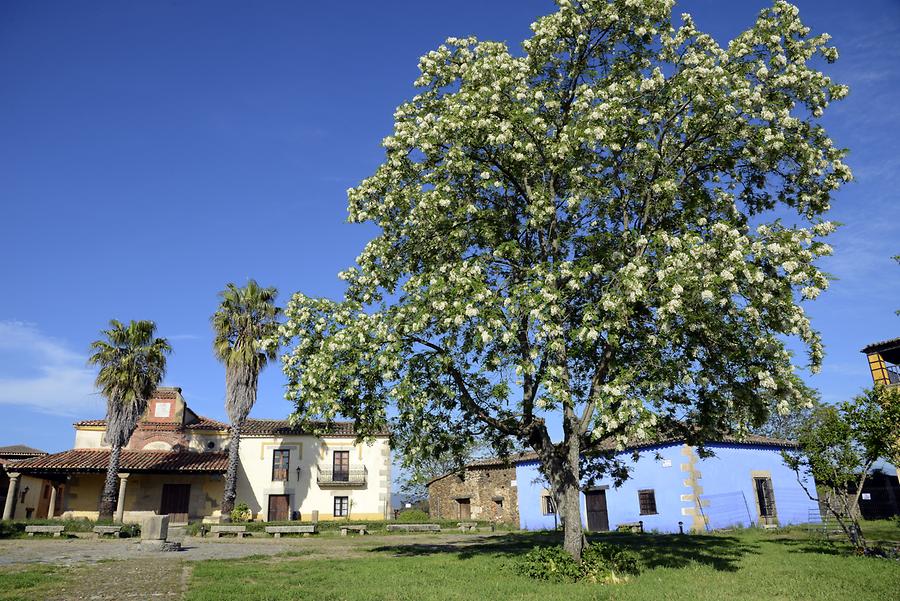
176, 461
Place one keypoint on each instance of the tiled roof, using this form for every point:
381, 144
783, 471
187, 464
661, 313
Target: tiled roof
283, 427
97, 460
21, 449
609, 445
881, 346
202, 423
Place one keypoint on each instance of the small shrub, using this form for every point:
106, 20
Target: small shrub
549, 563
240, 513
608, 564
600, 562
412, 516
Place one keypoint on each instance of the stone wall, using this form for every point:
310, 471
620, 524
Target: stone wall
491, 491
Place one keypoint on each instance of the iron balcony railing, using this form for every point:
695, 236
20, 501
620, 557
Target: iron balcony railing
355, 476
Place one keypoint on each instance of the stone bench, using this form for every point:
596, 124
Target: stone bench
54, 530
106, 530
358, 528
218, 531
636, 527
305, 530
467, 526
413, 528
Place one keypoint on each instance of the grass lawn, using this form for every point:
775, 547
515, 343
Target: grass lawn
739, 565
785, 565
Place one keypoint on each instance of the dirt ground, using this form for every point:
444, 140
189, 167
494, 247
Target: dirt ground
106, 570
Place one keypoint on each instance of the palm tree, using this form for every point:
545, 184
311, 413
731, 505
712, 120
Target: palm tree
246, 318
132, 364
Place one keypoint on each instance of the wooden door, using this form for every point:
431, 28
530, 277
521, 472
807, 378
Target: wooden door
279, 508
597, 514
465, 509
176, 500
341, 467
765, 499
43, 508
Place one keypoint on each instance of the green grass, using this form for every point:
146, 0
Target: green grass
25, 584
740, 565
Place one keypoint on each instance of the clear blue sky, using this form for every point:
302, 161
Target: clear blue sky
150, 152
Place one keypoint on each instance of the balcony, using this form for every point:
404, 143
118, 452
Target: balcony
329, 478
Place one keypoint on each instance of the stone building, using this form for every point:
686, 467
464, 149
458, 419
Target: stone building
176, 460
486, 490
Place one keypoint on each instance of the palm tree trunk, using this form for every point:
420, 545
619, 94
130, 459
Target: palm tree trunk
231, 476
110, 486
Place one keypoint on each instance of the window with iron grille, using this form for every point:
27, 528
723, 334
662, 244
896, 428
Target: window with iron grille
281, 459
548, 507
341, 507
647, 501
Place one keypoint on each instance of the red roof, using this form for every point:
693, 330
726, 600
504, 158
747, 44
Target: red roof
202, 423
283, 427
97, 460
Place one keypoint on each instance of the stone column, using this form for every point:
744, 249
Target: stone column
52, 509
120, 503
9, 508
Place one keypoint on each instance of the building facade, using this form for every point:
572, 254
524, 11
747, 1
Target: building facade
176, 461
32, 495
671, 488
486, 491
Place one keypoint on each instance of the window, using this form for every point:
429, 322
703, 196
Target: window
548, 507
341, 507
647, 501
341, 466
281, 459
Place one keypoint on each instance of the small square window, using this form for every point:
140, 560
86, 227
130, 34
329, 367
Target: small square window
647, 501
341, 507
548, 507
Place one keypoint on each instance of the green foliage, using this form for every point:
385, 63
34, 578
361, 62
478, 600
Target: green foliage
604, 563
614, 227
240, 513
412, 516
132, 363
838, 446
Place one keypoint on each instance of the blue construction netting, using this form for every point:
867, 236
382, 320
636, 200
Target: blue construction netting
734, 509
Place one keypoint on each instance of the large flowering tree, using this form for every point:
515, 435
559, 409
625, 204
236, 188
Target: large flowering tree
584, 233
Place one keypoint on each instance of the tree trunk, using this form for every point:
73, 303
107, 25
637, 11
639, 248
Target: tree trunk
231, 476
562, 469
111, 485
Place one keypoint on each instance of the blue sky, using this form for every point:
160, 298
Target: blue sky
150, 152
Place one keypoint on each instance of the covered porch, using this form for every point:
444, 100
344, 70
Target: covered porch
186, 485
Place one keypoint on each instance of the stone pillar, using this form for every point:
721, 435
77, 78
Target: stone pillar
120, 503
9, 508
51, 511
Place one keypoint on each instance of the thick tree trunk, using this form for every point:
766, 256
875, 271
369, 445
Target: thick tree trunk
560, 463
111, 485
231, 476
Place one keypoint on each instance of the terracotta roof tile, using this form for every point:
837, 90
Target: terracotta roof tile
96, 460
202, 423
21, 449
283, 427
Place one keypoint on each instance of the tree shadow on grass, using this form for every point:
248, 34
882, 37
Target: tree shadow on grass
656, 550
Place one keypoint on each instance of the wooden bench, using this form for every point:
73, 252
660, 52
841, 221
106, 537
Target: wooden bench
105, 530
467, 526
304, 529
218, 531
54, 530
358, 528
413, 528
